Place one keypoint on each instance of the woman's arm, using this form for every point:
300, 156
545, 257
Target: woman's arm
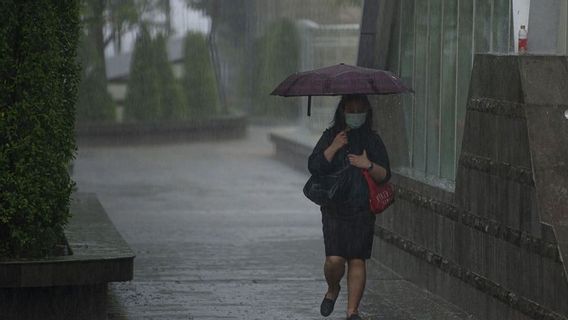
377, 172
339, 141
377, 162
319, 162
379, 156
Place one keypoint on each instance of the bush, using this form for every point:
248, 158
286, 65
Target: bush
38, 88
153, 92
198, 81
143, 100
278, 56
94, 103
172, 100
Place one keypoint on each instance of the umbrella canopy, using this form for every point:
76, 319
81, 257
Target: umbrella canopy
339, 80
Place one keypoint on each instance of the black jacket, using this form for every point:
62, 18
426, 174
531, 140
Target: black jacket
358, 140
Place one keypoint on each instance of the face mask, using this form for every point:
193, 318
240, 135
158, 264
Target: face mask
355, 120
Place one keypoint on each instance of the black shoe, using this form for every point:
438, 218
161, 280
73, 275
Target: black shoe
327, 305
354, 316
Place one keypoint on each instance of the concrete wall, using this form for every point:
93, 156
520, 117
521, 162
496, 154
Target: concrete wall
495, 246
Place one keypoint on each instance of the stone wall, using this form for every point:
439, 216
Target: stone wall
496, 246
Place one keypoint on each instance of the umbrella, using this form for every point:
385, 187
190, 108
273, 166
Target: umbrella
339, 80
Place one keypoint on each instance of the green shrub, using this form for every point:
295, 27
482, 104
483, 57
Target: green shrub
38, 88
199, 83
153, 92
172, 100
94, 103
278, 56
143, 100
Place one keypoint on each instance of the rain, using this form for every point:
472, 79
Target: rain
183, 160
283, 159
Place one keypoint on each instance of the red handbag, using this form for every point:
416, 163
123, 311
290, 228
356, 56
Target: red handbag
380, 196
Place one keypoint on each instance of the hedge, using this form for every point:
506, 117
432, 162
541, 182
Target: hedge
153, 92
94, 103
198, 82
143, 94
38, 88
278, 56
172, 101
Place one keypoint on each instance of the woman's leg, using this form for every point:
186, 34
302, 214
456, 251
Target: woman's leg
334, 269
356, 278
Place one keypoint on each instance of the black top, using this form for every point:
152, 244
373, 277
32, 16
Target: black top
358, 140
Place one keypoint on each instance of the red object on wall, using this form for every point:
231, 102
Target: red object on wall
523, 39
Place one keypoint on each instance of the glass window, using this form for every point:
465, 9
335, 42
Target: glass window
432, 50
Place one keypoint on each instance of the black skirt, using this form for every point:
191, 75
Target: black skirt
348, 233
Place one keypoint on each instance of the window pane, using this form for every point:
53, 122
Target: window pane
433, 106
407, 65
482, 25
448, 111
420, 86
501, 23
393, 61
464, 65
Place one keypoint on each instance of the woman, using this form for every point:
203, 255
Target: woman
348, 226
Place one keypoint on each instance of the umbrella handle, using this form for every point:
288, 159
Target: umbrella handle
309, 106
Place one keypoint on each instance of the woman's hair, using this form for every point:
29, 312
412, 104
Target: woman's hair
338, 122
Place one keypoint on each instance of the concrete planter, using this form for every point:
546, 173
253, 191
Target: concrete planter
72, 286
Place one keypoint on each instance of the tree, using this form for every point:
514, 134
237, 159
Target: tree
143, 98
94, 102
172, 100
199, 79
226, 38
278, 57
119, 17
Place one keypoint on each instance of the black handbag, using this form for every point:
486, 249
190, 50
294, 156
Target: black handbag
326, 189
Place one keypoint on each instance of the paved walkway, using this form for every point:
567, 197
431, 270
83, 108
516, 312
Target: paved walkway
222, 231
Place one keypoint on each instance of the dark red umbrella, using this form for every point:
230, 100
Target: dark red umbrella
339, 80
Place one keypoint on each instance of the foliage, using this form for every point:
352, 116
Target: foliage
94, 103
105, 23
120, 17
278, 56
172, 101
230, 16
39, 79
229, 43
153, 92
198, 81
143, 100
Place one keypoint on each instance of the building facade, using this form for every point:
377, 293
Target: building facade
478, 152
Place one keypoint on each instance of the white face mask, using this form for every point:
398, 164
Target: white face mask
355, 120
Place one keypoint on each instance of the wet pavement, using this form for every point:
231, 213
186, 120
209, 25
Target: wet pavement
222, 230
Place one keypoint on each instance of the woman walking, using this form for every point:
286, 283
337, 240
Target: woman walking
348, 226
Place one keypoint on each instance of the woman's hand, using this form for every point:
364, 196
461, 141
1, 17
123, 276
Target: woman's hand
360, 161
339, 141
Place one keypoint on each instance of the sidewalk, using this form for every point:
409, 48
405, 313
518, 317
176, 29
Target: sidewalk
222, 231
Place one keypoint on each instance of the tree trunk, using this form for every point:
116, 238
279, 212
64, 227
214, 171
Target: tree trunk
98, 31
